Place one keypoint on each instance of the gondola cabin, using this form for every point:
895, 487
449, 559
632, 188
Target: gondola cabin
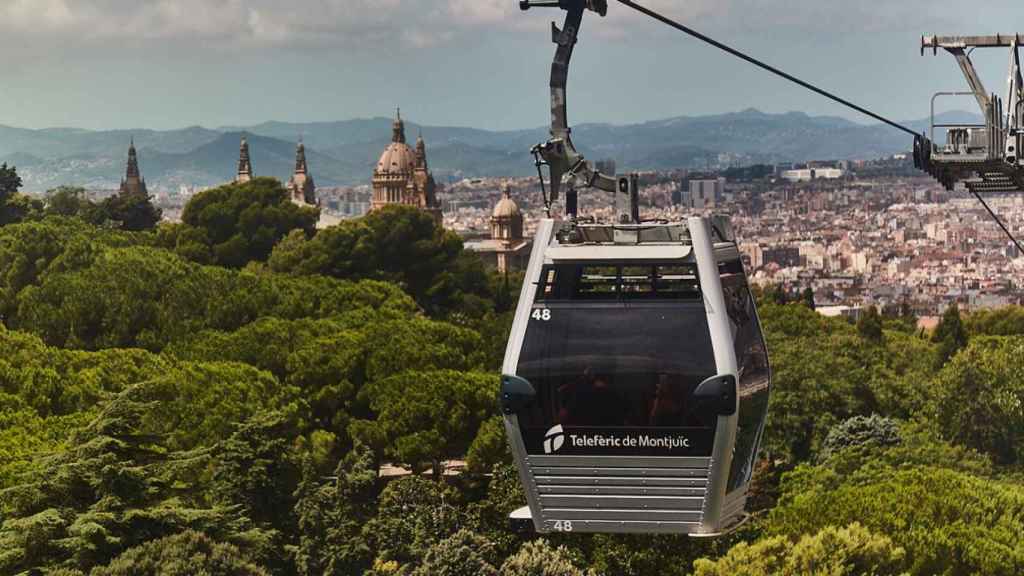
635, 383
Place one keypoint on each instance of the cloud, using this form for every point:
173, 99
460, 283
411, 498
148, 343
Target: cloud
418, 23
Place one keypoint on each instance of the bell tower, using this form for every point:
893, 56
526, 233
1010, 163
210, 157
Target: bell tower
133, 182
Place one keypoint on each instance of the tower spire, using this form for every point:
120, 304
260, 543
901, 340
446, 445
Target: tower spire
133, 182
421, 152
398, 128
244, 163
133, 161
300, 185
300, 158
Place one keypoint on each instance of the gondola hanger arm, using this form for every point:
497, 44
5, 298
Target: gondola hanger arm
567, 167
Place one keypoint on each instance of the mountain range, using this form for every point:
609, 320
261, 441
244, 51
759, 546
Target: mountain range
345, 152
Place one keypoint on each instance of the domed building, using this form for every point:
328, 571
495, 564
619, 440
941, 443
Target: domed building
506, 219
402, 176
506, 249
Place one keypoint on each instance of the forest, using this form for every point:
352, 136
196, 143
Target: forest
217, 396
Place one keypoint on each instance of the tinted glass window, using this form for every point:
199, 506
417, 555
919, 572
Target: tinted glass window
617, 365
754, 376
612, 282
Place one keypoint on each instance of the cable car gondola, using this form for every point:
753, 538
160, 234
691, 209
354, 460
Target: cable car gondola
635, 382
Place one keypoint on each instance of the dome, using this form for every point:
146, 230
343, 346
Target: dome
397, 158
506, 207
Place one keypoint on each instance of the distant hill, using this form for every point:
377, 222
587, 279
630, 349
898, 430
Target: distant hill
344, 152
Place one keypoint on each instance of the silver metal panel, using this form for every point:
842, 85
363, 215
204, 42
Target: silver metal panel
640, 515
638, 472
522, 513
631, 490
991, 41
542, 238
619, 461
725, 362
638, 252
619, 481
621, 502
650, 494
632, 527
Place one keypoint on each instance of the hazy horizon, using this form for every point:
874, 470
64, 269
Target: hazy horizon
414, 121
114, 64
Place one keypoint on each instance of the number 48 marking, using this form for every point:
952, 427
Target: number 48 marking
563, 526
542, 314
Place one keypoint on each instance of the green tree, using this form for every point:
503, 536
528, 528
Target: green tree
824, 373
414, 514
15, 207
1008, 321
858, 431
427, 416
778, 294
640, 554
815, 387
396, 243
182, 554
869, 326
808, 297
242, 222
257, 468
489, 448
947, 521
503, 299
489, 516
849, 551
29, 249
67, 201
121, 483
463, 554
907, 314
10, 182
420, 344
24, 435
331, 517
95, 297
950, 334
134, 211
539, 558
978, 398
56, 382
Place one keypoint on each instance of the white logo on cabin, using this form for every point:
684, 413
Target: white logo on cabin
553, 439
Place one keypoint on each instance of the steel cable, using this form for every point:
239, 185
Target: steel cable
687, 30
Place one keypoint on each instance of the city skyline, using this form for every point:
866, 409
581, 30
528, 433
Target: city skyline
167, 65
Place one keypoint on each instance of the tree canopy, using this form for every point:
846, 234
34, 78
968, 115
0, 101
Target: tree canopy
166, 409
15, 207
238, 223
400, 244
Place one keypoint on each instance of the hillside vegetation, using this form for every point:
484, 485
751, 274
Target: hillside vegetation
217, 397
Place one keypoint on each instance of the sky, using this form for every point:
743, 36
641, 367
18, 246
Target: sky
106, 64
